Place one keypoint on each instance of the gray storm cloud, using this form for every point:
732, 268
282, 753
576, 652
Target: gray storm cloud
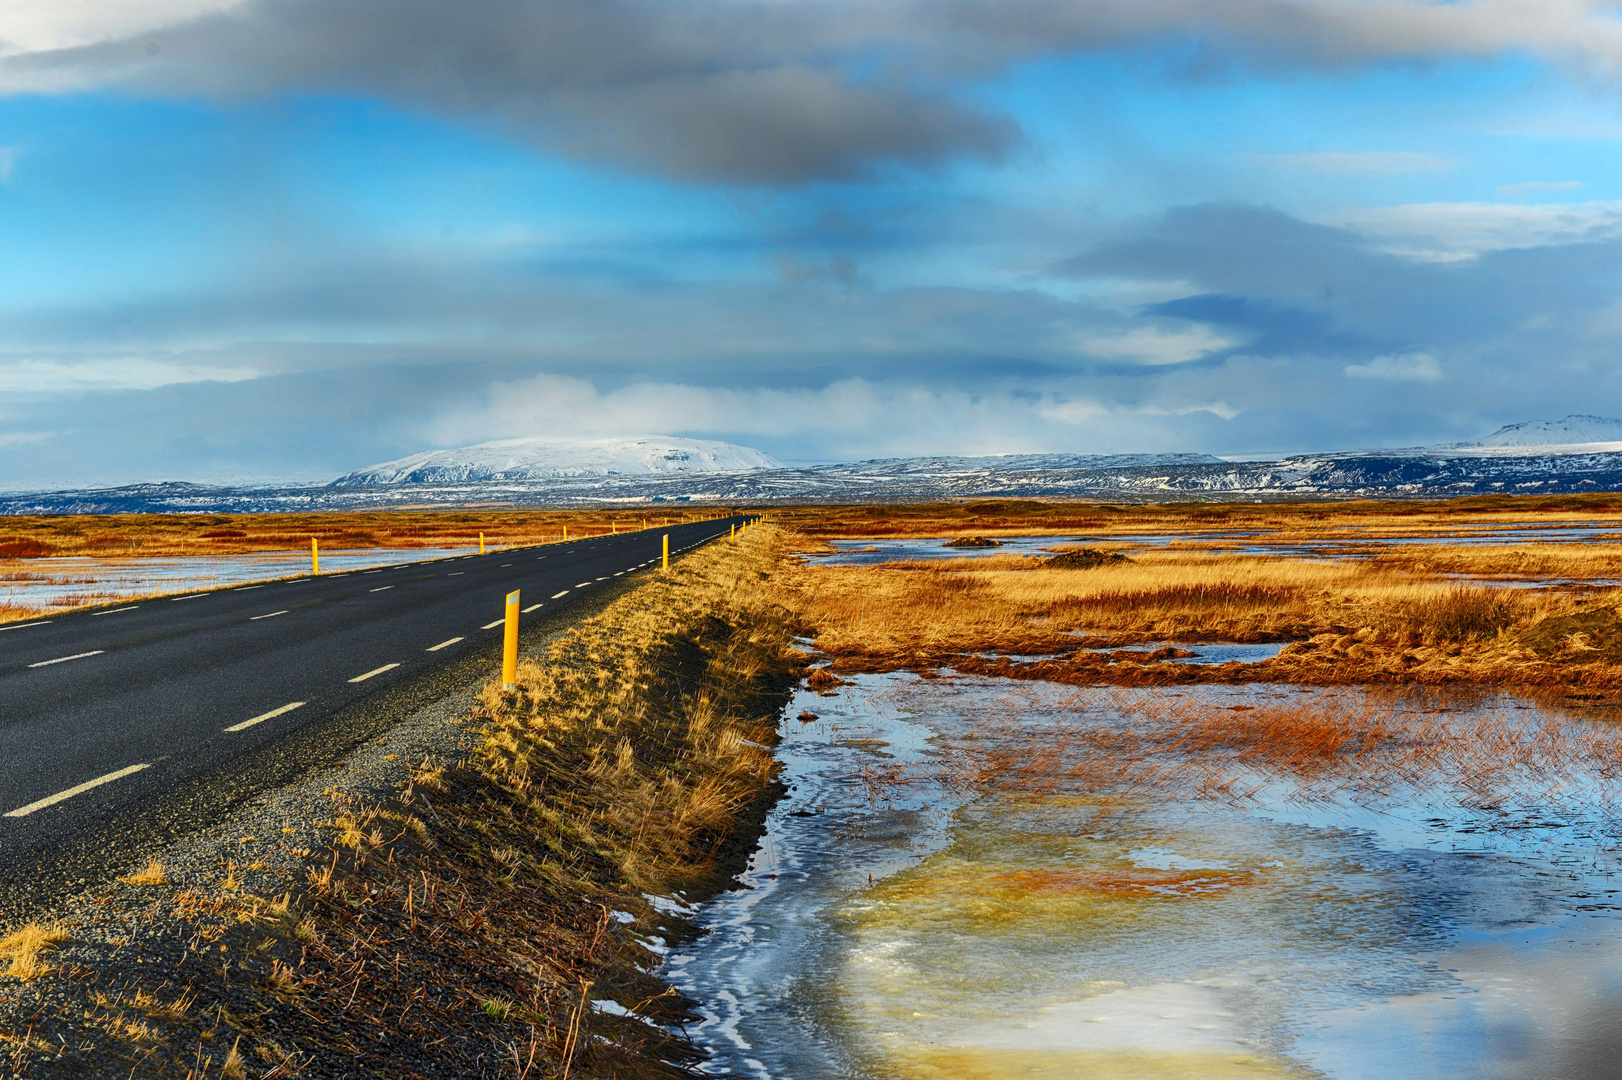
765, 91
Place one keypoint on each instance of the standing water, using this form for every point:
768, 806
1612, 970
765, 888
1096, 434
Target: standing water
976, 878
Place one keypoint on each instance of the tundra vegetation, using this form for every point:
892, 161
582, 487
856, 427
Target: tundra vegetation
493, 918
1359, 610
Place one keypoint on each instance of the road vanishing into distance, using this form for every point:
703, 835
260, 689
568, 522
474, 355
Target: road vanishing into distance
104, 710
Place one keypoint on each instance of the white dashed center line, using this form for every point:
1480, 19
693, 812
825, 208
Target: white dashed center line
374, 671
25, 625
443, 644
80, 789
116, 610
262, 717
555, 595
245, 588
65, 659
583, 585
193, 596
531, 608
492, 625
384, 588
458, 573
272, 615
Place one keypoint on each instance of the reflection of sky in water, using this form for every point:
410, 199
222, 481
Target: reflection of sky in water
1347, 545
66, 582
1408, 937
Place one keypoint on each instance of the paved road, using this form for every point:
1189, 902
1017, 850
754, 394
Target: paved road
102, 710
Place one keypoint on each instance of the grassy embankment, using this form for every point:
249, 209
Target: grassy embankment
26, 538
1399, 617
463, 927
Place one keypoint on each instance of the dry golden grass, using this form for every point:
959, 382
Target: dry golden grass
1355, 620
24, 946
150, 874
1574, 562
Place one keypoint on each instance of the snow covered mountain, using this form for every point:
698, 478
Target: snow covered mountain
1587, 432
543, 458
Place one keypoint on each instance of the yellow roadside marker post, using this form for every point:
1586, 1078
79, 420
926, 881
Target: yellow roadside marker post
732, 533
666, 565
481, 543
614, 528
315, 556
509, 652
566, 532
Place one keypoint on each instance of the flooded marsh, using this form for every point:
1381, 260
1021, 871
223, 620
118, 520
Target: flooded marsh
980, 878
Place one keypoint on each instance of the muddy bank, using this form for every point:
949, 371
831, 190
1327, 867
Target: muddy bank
496, 914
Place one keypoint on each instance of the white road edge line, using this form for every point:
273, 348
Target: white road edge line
25, 625
116, 610
193, 596
374, 671
61, 796
65, 659
443, 645
272, 615
531, 608
556, 595
245, 588
262, 717
385, 588
492, 625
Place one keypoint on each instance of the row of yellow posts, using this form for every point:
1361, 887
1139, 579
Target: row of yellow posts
315, 545
509, 652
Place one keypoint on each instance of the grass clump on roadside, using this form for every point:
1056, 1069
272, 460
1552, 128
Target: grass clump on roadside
491, 919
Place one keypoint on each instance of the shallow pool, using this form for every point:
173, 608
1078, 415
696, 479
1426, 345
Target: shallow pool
69, 582
973, 878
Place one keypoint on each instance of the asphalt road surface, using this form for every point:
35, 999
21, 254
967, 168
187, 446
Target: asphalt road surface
103, 711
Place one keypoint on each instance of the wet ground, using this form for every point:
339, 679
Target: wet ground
925, 904
1349, 544
47, 584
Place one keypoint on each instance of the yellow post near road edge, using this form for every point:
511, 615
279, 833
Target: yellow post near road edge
315, 556
666, 565
509, 653
481, 543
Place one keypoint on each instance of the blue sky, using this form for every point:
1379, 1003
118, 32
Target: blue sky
289, 238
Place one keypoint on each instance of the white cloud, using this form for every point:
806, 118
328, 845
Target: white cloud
35, 375
848, 418
1454, 232
1358, 163
1407, 367
1533, 186
40, 25
1155, 346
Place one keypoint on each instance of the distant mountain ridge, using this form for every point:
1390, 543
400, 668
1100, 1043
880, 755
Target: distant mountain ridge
1512, 460
544, 458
